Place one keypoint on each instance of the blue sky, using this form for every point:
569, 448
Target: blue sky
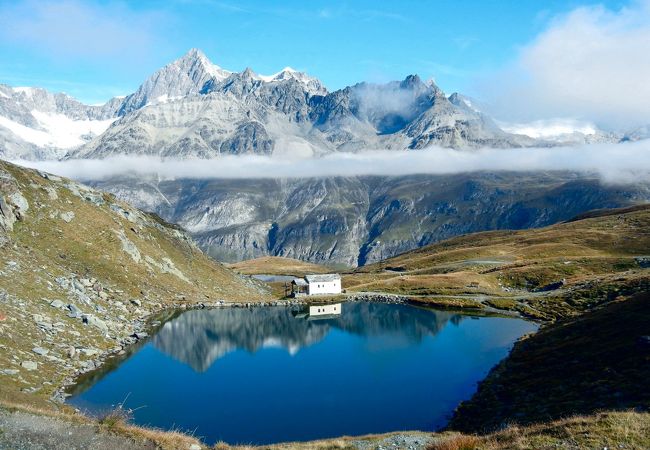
97, 49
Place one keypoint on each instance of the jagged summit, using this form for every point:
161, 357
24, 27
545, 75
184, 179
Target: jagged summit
195, 55
185, 76
194, 108
284, 74
193, 73
312, 84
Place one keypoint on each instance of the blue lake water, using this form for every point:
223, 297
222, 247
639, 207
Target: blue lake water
266, 375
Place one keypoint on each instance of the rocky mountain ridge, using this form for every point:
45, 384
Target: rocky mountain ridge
193, 108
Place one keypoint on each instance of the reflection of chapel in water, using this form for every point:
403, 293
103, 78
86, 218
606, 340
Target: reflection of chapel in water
200, 337
319, 312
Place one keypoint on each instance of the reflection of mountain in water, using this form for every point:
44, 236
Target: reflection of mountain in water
198, 338
378, 318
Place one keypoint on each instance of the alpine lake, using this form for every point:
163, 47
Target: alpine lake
276, 374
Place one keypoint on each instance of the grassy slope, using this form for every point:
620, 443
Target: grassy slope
510, 268
42, 247
629, 430
275, 265
579, 366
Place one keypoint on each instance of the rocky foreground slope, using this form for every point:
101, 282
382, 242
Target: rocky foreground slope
81, 273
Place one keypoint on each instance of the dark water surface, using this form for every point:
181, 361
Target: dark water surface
265, 375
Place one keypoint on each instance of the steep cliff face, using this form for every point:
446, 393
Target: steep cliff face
359, 220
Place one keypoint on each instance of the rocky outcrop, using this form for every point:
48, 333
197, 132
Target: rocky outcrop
13, 205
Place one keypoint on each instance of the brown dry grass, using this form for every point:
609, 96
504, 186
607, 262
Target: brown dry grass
165, 440
275, 265
457, 442
627, 429
509, 265
116, 421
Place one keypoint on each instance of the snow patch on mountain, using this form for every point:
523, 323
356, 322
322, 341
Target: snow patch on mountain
287, 72
549, 129
211, 68
312, 84
57, 130
164, 99
24, 89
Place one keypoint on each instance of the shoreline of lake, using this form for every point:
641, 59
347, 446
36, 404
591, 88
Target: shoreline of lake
111, 361
152, 323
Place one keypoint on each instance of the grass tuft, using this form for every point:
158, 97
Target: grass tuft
456, 442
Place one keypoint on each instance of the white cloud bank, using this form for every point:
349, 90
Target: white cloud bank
592, 64
619, 163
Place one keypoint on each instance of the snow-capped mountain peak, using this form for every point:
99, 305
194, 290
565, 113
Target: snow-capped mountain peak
284, 74
197, 56
312, 84
195, 108
187, 75
194, 74
550, 129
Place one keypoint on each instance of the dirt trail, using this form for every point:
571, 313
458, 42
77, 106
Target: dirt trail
19, 430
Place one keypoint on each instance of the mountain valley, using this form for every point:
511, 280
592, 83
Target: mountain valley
358, 220
192, 108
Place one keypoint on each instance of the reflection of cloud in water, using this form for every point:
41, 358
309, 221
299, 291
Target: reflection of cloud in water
199, 338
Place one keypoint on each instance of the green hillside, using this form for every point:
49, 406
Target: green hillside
80, 273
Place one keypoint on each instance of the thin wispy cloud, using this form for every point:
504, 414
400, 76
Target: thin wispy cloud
77, 30
345, 11
221, 5
464, 42
615, 163
436, 68
337, 12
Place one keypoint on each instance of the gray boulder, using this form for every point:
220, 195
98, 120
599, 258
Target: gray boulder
95, 322
29, 365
